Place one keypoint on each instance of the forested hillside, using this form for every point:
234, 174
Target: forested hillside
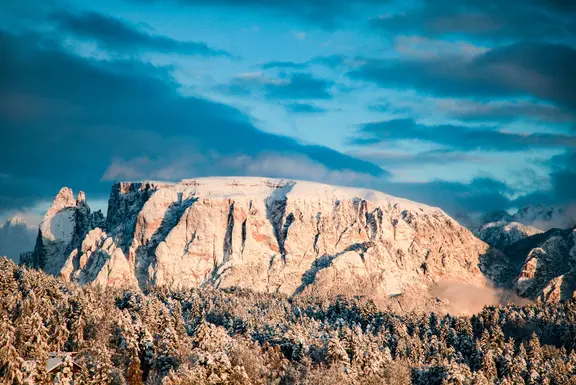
232, 336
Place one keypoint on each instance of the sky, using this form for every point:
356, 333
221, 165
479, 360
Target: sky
468, 105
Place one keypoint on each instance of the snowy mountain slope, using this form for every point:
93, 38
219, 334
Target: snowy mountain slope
501, 229
542, 218
268, 235
503, 234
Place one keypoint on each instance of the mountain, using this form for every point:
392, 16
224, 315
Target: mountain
542, 218
501, 229
64, 226
545, 265
541, 258
16, 237
502, 234
265, 234
545, 217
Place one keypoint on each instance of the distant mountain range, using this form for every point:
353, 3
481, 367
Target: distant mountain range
500, 229
540, 243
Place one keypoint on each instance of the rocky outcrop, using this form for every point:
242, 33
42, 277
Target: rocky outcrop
503, 234
98, 260
62, 230
545, 265
264, 234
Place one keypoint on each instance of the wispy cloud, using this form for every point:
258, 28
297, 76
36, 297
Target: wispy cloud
459, 137
119, 35
295, 86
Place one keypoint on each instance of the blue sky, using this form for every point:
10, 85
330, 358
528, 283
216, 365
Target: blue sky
466, 105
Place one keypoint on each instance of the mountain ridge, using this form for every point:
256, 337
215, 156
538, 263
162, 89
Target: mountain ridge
268, 235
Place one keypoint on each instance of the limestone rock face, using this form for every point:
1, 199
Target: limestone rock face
98, 260
267, 235
62, 229
546, 265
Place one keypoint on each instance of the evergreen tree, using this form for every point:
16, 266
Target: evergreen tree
10, 360
134, 375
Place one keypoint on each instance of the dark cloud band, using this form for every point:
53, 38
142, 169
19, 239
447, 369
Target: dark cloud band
118, 35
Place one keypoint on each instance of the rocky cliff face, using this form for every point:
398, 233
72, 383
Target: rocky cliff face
545, 265
264, 234
62, 230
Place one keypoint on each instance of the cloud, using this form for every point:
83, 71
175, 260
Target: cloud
466, 299
300, 86
331, 61
427, 48
390, 158
304, 108
297, 85
502, 111
530, 69
118, 35
300, 35
267, 164
477, 196
484, 19
284, 65
562, 183
458, 137
390, 108
86, 113
328, 14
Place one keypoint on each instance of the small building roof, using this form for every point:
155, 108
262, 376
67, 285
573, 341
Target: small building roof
57, 359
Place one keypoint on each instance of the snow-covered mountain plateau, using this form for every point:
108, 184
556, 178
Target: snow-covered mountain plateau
263, 234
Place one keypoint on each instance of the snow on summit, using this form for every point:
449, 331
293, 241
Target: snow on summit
257, 187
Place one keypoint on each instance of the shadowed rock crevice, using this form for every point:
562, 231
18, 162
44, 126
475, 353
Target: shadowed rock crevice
126, 201
325, 262
146, 254
243, 236
496, 266
275, 212
317, 235
374, 222
227, 252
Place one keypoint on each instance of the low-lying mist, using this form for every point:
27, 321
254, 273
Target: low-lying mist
464, 298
